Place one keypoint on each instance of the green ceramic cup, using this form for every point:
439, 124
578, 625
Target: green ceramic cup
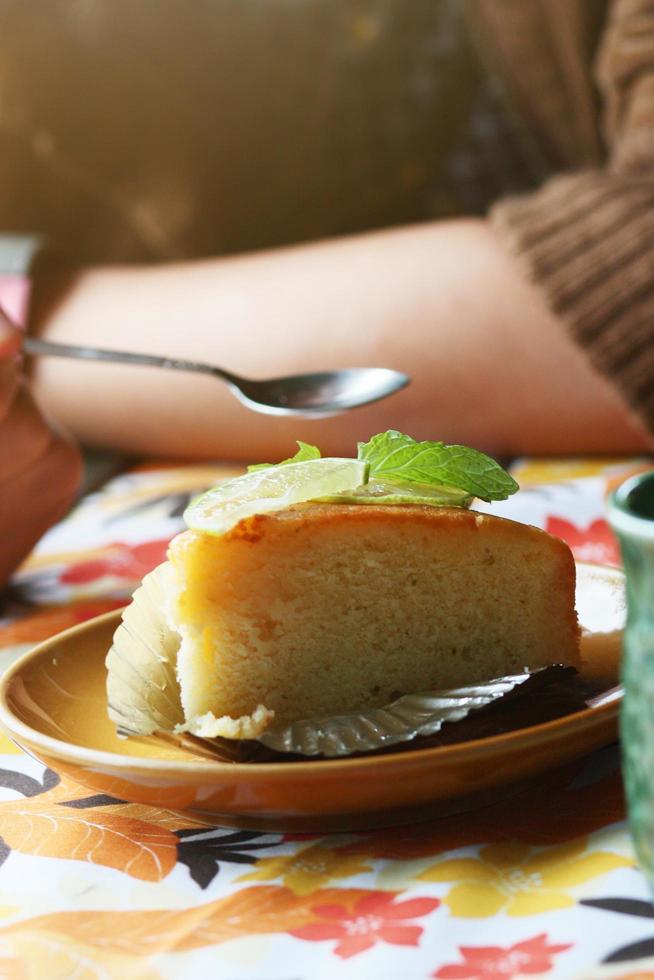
631, 515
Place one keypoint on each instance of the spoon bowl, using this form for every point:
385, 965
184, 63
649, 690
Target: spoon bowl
315, 395
320, 394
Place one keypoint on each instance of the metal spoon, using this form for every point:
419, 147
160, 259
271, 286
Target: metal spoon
316, 395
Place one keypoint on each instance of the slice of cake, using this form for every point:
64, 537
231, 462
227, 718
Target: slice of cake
321, 609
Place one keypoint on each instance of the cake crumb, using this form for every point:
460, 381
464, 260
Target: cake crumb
247, 726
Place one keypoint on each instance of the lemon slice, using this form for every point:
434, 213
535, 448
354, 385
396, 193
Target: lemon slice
383, 492
274, 488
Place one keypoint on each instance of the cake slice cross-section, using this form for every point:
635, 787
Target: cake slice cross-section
323, 609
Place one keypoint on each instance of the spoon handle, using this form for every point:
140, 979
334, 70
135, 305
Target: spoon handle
35, 346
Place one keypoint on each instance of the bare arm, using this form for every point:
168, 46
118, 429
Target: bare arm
443, 302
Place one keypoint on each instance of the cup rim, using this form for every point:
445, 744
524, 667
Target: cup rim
622, 516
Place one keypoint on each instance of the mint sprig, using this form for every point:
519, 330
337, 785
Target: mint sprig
397, 458
403, 466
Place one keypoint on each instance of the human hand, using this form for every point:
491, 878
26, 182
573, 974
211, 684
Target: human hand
40, 468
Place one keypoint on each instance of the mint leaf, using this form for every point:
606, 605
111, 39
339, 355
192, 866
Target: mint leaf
398, 458
304, 453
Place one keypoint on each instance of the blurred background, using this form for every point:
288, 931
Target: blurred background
167, 129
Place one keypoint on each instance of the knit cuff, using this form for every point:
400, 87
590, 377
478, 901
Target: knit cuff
587, 240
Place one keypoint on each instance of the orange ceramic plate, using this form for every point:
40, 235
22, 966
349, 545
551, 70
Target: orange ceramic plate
53, 704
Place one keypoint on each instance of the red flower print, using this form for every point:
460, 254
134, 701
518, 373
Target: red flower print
595, 543
500, 963
374, 917
118, 560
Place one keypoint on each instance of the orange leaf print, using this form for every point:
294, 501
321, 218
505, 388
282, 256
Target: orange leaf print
262, 909
47, 826
33, 955
168, 819
12, 967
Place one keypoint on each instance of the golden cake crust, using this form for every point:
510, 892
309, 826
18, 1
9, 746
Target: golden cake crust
254, 528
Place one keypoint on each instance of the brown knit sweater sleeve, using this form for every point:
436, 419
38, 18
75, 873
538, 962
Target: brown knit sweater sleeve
588, 238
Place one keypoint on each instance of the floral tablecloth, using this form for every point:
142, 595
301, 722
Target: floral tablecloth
92, 887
